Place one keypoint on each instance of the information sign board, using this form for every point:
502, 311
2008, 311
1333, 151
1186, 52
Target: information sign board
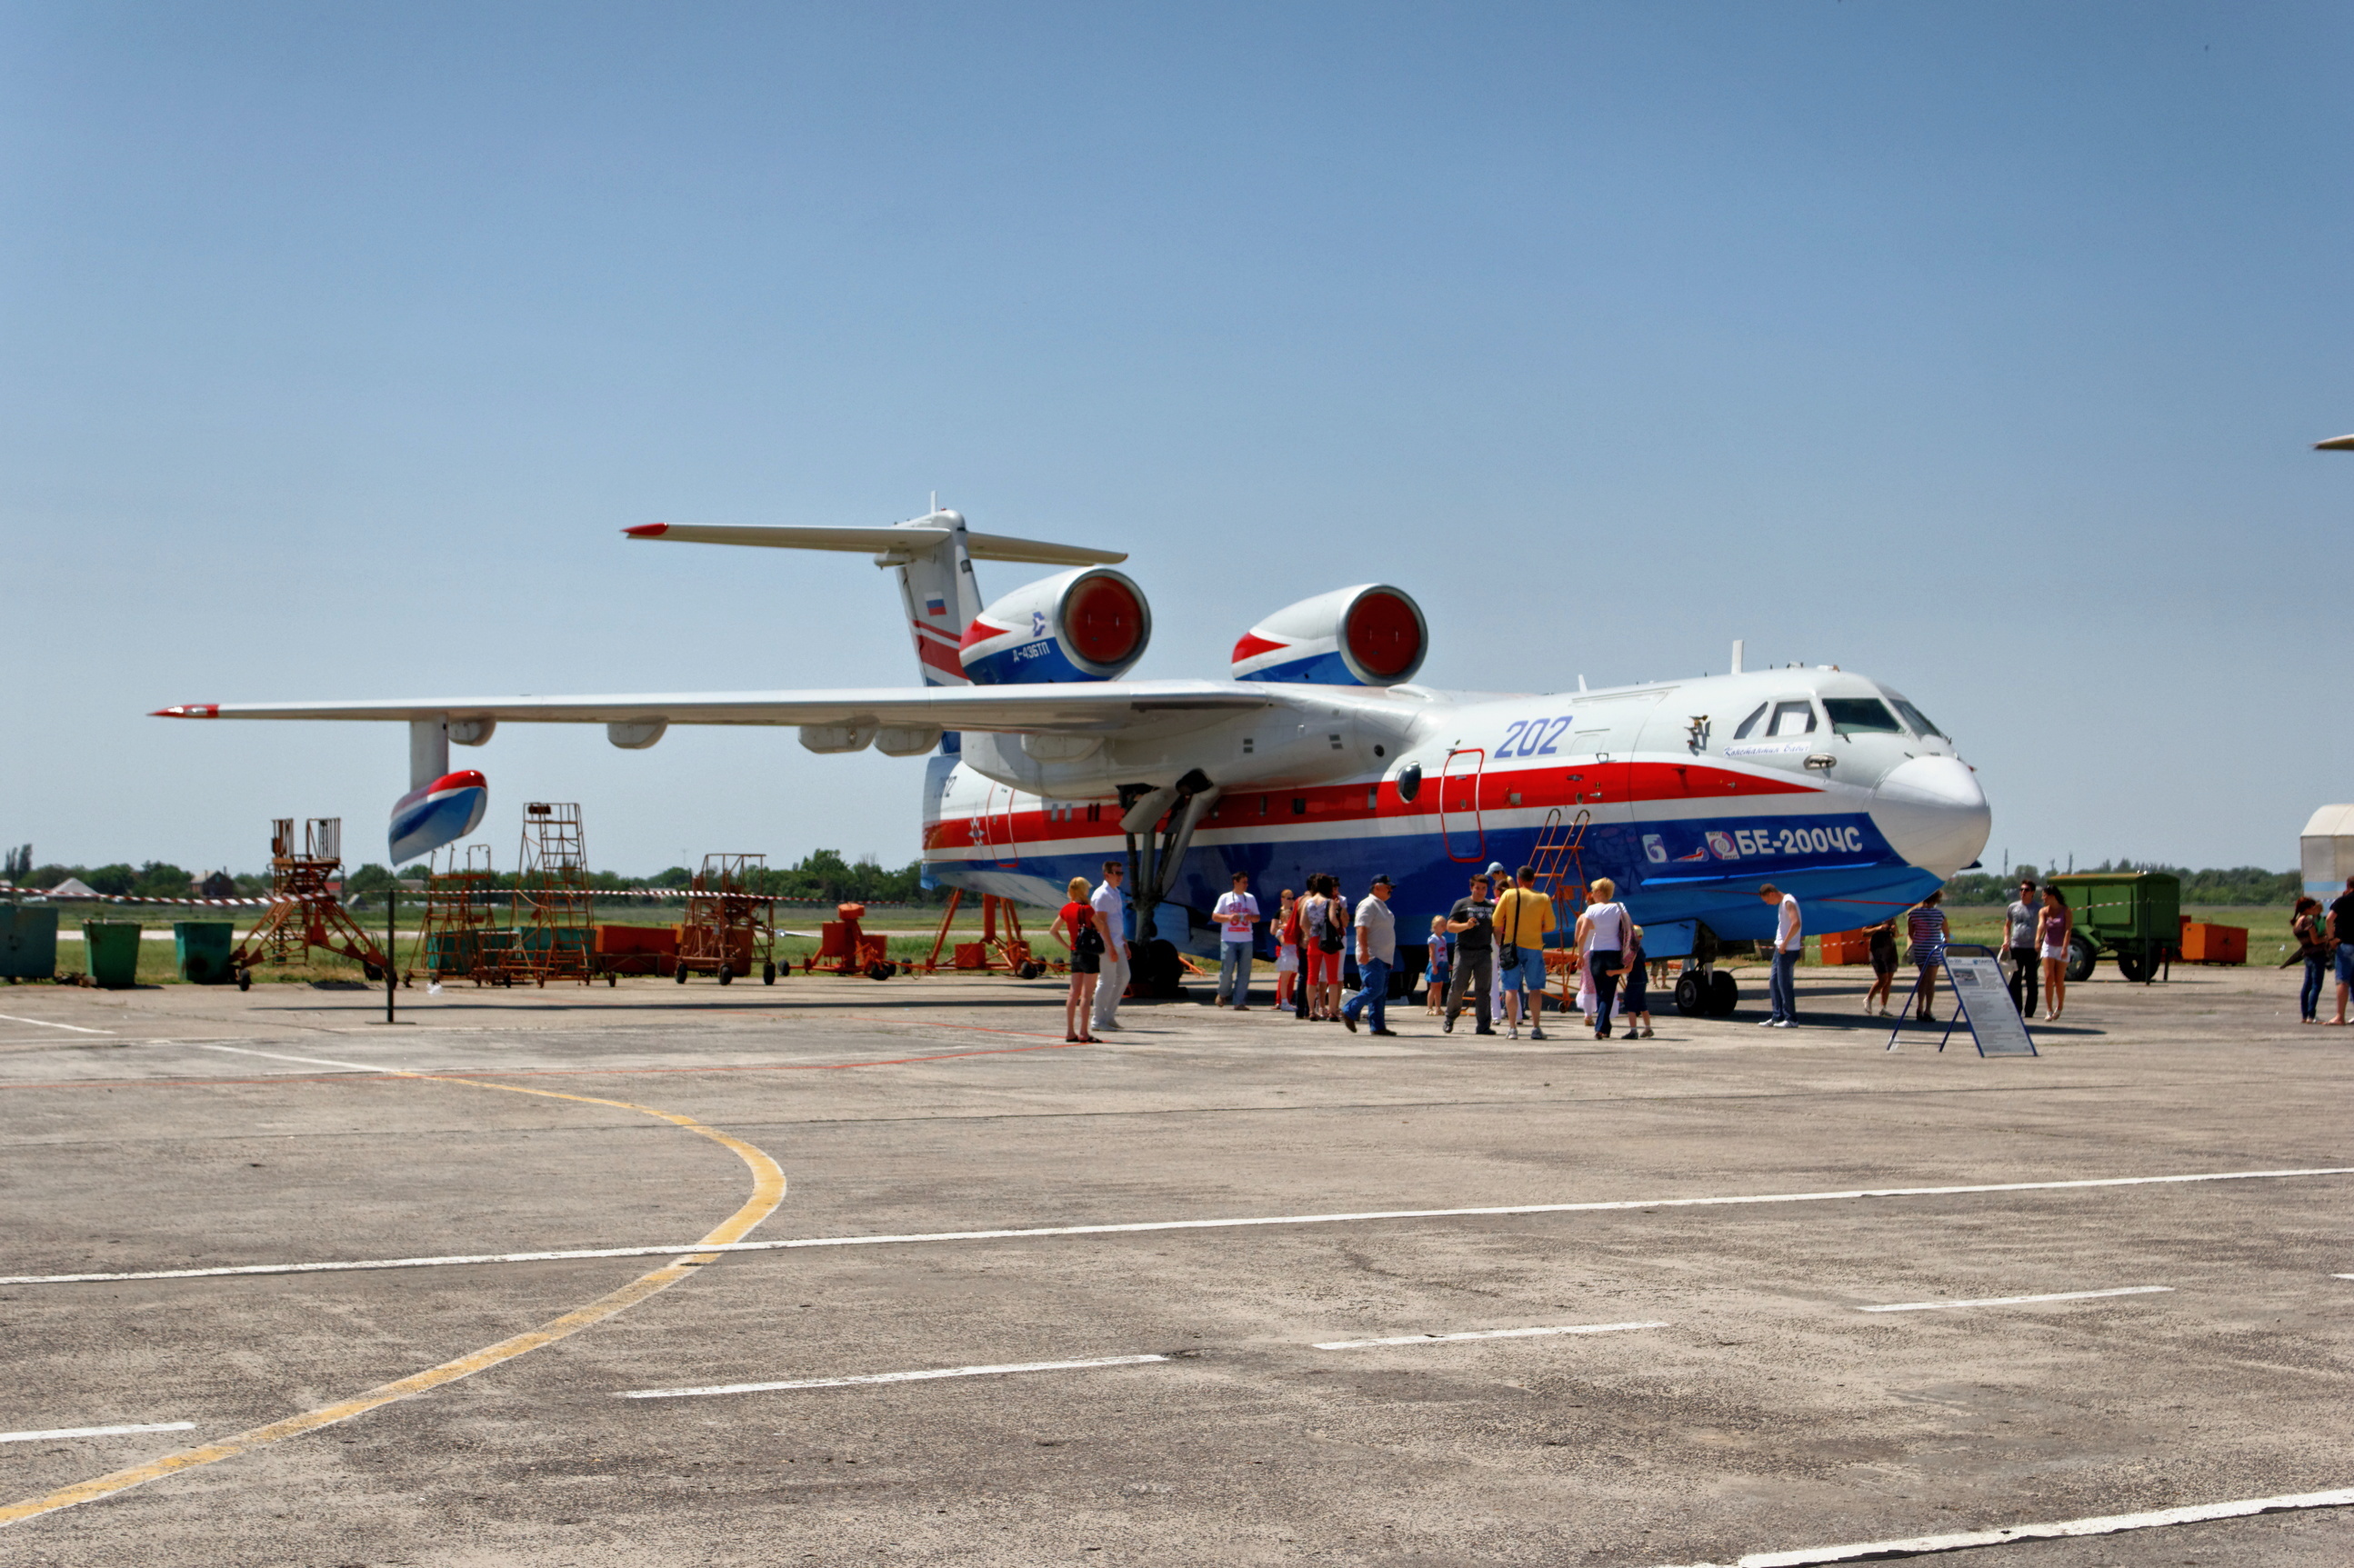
1985, 1001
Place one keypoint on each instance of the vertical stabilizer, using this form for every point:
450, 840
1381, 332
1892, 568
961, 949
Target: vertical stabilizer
935, 590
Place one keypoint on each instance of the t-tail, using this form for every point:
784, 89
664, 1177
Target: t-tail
934, 555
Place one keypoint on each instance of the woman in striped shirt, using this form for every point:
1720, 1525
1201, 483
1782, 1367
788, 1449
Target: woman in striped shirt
1925, 923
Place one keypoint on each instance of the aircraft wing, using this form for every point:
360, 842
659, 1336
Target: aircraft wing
1072, 707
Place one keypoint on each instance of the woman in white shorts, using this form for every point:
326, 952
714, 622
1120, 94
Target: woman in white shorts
2053, 928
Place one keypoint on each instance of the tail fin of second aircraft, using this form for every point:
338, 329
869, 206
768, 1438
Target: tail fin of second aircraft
934, 553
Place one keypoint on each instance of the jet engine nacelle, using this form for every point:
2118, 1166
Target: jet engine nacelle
1085, 625
1369, 636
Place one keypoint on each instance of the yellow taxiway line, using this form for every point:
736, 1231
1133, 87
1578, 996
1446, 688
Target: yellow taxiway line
768, 1195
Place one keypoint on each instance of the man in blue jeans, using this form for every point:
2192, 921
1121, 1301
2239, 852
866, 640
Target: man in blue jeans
1789, 941
1376, 953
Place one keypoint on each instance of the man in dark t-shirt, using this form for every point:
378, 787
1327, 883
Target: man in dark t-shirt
1473, 922
2341, 927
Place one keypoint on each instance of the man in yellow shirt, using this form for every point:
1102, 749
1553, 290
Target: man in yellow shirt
1522, 917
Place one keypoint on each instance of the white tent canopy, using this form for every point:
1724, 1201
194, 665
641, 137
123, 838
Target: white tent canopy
2325, 851
75, 887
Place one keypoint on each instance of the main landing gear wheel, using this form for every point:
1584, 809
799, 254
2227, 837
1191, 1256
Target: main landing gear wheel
1691, 994
769, 972
1723, 996
2082, 955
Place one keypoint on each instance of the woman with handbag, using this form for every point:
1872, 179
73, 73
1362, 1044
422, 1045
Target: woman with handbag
1602, 936
2311, 928
1075, 923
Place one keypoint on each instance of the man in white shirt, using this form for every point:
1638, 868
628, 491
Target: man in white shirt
1236, 914
1789, 941
1376, 953
1110, 905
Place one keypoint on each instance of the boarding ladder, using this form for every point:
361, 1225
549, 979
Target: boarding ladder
1559, 861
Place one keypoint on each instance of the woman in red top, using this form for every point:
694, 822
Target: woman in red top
1075, 923
1287, 950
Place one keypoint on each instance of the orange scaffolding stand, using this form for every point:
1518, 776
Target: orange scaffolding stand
304, 912
554, 906
1001, 946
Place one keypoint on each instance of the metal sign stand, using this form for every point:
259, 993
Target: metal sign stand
1973, 973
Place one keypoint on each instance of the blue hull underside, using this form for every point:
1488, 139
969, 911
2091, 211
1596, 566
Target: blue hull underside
1669, 874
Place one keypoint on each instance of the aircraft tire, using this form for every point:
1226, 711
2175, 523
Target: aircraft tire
1690, 997
679, 974
2082, 956
1723, 995
769, 972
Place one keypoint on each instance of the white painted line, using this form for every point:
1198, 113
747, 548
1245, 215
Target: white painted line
2019, 1301
95, 1431
886, 1377
306, 1061
2111, 1524
1617, 1205
2342, 1277
45, 1024
1485, 1334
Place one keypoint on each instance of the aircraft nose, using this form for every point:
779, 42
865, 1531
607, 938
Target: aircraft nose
1931, 811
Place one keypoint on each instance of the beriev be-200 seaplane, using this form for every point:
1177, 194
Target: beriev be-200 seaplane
1318, 753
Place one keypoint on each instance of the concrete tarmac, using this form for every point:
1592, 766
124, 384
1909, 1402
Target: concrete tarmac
1764, 1410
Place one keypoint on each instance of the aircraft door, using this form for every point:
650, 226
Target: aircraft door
997, 821
1460, 827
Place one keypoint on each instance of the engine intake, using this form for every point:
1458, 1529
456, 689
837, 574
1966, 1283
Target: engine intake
1087, 625
1368, 636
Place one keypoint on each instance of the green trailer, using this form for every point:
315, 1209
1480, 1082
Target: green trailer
2134, 916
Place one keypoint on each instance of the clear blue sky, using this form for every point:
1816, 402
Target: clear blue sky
1976, 347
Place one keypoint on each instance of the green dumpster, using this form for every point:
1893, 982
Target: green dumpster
111, 949
202, 947
28, 942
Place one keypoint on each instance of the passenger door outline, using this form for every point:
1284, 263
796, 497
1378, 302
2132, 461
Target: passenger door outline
1461, 829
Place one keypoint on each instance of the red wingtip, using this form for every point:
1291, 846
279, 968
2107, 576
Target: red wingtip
188, 710
648, 531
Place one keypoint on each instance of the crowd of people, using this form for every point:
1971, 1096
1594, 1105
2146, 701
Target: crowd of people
1487, 952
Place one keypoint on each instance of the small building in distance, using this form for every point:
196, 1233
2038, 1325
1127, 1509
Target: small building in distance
2325, 852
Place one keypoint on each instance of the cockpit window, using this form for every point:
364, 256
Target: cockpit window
1751, 722
1861, 716
1917, 718
1793, 718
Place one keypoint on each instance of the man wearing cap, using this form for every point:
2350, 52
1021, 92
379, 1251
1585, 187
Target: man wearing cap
2018, 935
1472, 923
1376, 953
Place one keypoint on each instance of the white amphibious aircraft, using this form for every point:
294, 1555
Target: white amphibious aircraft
1318, 753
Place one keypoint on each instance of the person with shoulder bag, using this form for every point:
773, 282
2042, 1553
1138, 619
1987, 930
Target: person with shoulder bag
1602, 936
2313, 945
1523, 919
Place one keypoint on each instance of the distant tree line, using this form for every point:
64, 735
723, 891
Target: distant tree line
2230, 884
823, 876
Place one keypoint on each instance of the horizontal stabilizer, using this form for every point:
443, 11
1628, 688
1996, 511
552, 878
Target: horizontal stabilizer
903, 543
